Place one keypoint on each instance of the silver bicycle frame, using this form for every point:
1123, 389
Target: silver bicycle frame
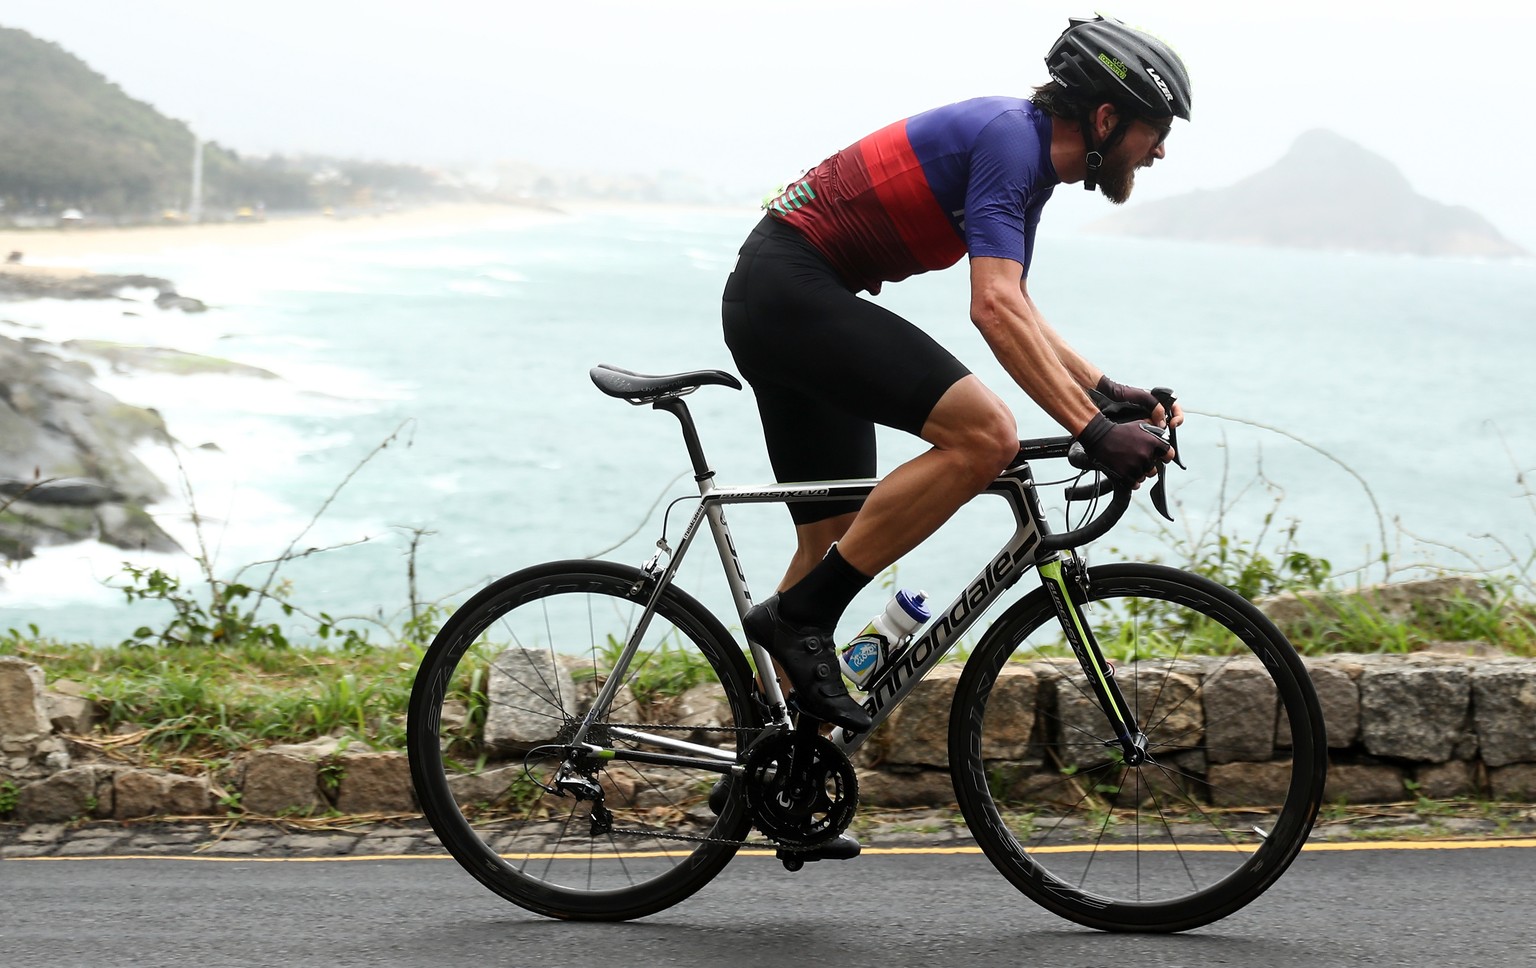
1026, 548
927, 646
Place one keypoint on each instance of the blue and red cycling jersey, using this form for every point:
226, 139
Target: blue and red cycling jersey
964, 179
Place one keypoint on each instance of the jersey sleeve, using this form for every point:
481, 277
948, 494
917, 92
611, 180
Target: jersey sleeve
1001, 203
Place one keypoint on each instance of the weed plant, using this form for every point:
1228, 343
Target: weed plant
239, 664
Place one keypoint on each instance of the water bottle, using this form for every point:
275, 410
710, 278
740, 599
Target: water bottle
872, 648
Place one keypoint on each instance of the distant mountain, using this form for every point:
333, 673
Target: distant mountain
70, 138
1326, 193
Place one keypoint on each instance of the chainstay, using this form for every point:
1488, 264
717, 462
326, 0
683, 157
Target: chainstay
764, 844
678, 728
688, 838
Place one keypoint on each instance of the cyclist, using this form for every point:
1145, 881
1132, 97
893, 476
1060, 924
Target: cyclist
826, 364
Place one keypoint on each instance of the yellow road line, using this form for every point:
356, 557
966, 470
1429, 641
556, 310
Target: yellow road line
868, 851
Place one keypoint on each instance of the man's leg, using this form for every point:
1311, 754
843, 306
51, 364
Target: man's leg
974, 439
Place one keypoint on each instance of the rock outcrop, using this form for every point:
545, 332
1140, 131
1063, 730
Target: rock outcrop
67, 468
25, 282
1326, 193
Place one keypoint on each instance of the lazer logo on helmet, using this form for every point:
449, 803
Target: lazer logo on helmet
1161, 86
1115, 65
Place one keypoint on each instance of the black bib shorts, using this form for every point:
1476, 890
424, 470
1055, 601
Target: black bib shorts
825, 364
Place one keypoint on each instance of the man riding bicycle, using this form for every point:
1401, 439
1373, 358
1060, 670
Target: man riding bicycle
826, 365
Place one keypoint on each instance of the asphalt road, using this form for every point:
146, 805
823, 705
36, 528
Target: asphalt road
1377, 906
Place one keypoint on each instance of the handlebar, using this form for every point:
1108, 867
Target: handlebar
1047, 448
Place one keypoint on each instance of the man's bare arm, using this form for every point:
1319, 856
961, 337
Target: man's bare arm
1039, 360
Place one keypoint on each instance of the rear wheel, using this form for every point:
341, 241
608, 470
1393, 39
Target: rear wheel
1235, 767
499, 696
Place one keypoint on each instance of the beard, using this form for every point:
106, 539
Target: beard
1117, 177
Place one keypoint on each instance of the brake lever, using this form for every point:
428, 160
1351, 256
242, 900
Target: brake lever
1165, 398
1160, 489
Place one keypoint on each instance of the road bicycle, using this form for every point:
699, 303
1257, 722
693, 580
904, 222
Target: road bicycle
590, 742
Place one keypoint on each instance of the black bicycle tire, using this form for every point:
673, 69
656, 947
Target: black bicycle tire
431, 782
1032, 878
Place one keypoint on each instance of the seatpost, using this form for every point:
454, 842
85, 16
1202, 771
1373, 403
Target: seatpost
679, 409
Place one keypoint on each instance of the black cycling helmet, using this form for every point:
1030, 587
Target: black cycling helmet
1103, 58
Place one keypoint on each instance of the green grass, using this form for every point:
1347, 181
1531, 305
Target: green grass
196, 701
224, 695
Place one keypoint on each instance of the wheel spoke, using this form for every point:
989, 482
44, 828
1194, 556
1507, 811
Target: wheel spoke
1159, 844
520, 667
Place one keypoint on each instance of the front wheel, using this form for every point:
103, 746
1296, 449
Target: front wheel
496, 705
1236, 753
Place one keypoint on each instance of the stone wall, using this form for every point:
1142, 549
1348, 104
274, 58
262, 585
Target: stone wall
1436, 725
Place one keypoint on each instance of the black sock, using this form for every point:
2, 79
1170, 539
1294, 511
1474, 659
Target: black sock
820, 598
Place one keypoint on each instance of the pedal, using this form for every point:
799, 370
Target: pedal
841, 847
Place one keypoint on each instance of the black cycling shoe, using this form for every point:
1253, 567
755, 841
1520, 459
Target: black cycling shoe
720, 795
841, 847
809, 658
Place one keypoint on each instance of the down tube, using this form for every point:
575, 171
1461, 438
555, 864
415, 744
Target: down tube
898, 679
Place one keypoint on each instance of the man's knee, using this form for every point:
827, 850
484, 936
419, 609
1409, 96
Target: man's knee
973, 421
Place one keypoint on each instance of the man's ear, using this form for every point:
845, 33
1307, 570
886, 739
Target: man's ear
1105, 117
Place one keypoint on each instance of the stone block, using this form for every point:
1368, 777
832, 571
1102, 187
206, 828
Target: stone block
152, 793
138, 793
1415, 710
85, 791
149, 793
1442, 781
23, 712
496, 786
375, 783
1364, 783
1010, 715
1515, 782
1241, 703
705, 708
74, 715
1504, 711
923, 788
281, 780
1167, 702
1249, 784
528, 696
188, 796
917, 732
1338, 693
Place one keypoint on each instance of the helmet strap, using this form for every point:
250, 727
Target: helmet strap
1094, 158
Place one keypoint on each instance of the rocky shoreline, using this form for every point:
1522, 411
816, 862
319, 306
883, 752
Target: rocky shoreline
68, 471
26, 282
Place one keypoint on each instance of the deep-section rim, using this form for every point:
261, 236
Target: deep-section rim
1036, 881
458, 835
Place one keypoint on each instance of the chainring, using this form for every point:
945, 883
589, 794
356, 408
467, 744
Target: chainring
800, 787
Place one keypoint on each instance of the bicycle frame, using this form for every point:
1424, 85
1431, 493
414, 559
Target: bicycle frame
1030, 546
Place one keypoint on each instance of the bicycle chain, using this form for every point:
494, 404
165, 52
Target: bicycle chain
687, 838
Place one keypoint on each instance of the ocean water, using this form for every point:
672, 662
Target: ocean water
433, 407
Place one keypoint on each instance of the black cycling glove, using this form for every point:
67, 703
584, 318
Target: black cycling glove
1121, 393
1124, 450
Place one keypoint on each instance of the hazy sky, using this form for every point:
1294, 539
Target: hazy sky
749, 94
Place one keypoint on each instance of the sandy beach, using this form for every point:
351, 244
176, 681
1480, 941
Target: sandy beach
69, 250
